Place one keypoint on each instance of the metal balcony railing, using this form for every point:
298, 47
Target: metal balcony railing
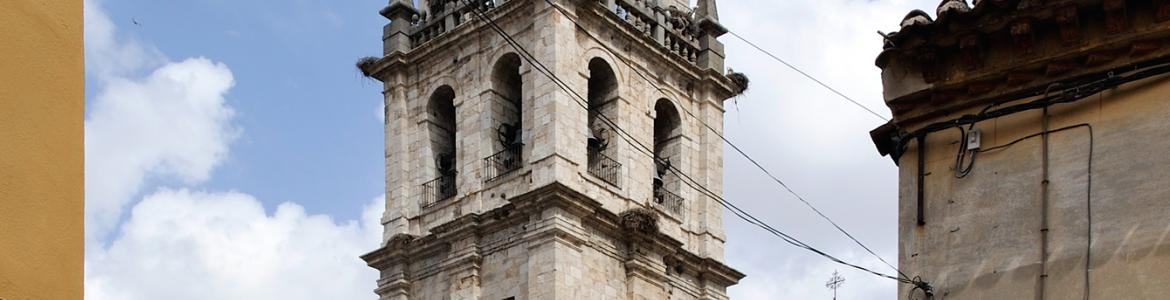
502, 163
605, 168
669, 201
437, 190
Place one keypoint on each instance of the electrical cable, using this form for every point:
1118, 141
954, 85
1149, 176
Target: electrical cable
810, 77
552, 76
1082, 87
961, 171
785, 186
1087, 85
1088, 191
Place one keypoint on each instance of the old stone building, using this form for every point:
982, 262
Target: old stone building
1032, 140
536, 149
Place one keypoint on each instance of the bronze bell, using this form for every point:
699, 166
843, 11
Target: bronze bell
596, 143
445, 162
660, 172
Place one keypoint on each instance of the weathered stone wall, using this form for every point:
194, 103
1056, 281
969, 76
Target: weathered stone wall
982, 234
549, 244
485, 243
555, 126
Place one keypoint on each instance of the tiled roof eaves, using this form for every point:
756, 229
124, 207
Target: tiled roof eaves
954, 19
933, 65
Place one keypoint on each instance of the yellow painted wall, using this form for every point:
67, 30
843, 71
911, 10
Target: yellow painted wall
42, 93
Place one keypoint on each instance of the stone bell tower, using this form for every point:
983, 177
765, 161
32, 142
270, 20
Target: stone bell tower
503, 183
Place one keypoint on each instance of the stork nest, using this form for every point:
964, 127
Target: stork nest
740, 80
366, 65
400, 241
640, 220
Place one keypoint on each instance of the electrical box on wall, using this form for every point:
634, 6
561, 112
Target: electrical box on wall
974, 138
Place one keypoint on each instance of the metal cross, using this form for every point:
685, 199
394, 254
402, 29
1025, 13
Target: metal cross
835, 282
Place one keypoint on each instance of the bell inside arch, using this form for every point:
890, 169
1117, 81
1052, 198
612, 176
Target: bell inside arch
661, 167
510, 135
445, 163
597, 143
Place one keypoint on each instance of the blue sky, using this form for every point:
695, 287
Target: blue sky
310, 129
234, 152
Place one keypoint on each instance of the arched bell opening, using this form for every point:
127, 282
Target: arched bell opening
441, 127
668, 141
602, 120
507, 115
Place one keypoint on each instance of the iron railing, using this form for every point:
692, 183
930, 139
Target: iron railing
437, 190
605, 168
502, 163
669, 201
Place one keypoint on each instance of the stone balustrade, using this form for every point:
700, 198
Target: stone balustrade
673, 28
442, 16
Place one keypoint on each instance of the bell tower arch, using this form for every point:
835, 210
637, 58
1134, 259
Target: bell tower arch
533, 149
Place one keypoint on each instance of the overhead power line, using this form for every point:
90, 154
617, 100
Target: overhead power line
527, 56
810, 77
777, 180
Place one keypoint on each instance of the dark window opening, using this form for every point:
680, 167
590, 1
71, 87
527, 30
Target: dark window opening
441, 127
508, 116
667, 153
602, 109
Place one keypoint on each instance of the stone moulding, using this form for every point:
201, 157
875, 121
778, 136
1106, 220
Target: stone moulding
396, 61
554, 213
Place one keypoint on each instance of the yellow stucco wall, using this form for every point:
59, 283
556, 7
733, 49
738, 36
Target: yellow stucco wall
41, 149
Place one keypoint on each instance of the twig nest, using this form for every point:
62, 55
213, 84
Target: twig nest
400, 241
366, 65
640, 220
741, 81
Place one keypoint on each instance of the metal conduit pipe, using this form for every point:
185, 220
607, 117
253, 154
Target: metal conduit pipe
1044, 181
1085, 87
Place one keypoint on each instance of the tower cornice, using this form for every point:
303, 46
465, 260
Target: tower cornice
394, 60
405, 249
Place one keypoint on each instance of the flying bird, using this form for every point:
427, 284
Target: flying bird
135, 21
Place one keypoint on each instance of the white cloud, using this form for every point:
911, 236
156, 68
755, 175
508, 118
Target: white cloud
172, 122
815, 141
180, 244
152, 117
175, 122
108, 57
381, 113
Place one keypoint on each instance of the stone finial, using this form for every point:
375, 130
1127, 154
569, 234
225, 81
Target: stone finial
706, 16
706, 10
396, 35
398, 8
916, 17
952, 7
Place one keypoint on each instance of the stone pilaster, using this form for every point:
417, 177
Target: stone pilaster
644, 276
